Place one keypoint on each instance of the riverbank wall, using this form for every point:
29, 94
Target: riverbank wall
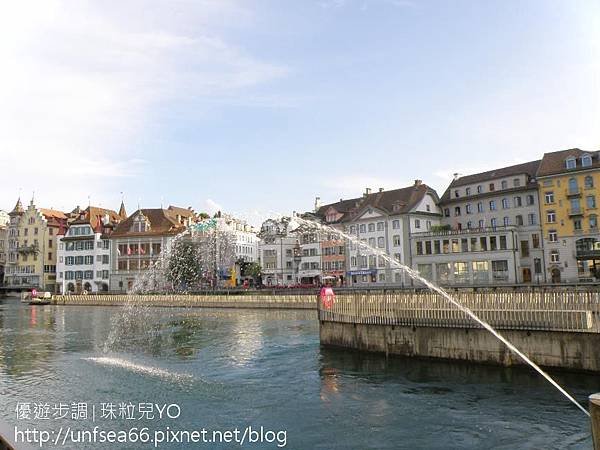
557, 349
252, 300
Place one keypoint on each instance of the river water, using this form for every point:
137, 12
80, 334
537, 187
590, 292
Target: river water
227, 369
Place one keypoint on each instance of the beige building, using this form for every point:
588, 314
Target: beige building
32, 245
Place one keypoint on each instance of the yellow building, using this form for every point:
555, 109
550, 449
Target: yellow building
568, 182
32, 246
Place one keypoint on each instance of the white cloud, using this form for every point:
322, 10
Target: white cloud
80, 82
353, 185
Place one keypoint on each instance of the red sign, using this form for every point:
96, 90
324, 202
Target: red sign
327, 297
34, 292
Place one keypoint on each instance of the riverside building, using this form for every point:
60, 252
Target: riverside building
84, 250
568, 187
137, 242
490, 231
383, 220
32, 244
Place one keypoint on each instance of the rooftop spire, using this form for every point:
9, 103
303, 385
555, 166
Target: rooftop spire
18, 209
122, 212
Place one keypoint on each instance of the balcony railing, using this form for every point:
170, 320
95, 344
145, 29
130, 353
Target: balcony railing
25, 249
575, 192
575, 212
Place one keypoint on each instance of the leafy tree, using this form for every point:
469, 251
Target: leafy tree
184, 266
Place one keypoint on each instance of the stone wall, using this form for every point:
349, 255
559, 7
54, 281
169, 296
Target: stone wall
565, 350
281, 301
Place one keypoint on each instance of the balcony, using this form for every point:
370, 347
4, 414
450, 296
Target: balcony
587, 253
575, 212
26, 249
574, 192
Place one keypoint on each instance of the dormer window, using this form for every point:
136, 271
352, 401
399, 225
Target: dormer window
140, 224
586, 161
571, 163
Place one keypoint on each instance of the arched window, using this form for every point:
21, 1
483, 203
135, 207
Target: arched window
589, 182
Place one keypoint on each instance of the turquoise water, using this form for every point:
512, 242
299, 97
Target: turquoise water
240, 368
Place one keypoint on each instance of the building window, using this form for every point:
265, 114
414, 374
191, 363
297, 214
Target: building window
446, 212
503, 242
456, 193
492, 205
577, 224
549, 197
554, 256
461, 272
517, 202
516, 182
505, 203
524, 249
506, 221
530, 200
571, 163
395, 224
593, 221
380, 226
586, 161
492, 187
480, 207
551, 216
531, 218
590, 201
469, 225
573, 188
352, 229
380, 242
479, 189
493, 222
363, 228
504, 184
419, 248
468, 209
500, 270
481, 223
552, 236
468, 191
589, 182
371, 227
396, 240
417, 223
535, 240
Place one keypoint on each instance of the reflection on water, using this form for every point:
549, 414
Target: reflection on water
228, 368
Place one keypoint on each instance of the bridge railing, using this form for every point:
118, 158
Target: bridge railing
551, 311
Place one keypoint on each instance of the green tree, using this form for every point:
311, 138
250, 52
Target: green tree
184, 265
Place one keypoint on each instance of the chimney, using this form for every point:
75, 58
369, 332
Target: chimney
418, 182
341, 200
380, 189
456, 176
317, 203
367, 191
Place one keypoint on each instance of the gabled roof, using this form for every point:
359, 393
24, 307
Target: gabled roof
93, 215
396, 201
554, 163
53, 214
529, 168
162, 222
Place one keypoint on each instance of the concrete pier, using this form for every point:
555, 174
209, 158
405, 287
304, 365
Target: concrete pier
559, 330
574, 351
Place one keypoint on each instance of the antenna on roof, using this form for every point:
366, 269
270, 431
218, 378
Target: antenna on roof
161, 201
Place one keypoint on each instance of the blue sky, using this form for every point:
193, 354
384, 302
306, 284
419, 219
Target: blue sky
259, 106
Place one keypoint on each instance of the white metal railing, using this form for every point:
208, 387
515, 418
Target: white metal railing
551, 311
